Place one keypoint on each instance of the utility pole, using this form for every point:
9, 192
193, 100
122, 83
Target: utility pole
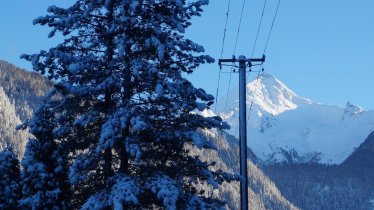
243, 62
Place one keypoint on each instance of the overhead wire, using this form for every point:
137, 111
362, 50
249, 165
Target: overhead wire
265, 48
222, 48
235, 47
253, 49
272, 25
239, 26
266, 45
224, 31
259, 28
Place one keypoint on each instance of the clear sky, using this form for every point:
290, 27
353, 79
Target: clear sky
323, 50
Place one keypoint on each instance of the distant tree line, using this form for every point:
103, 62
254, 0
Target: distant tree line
315, 186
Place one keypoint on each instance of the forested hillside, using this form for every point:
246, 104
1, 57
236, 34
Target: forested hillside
21, 93
263, 193
24, 89
310, 186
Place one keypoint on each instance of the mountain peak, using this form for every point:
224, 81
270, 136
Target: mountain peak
266, 75
351, 110
272, 95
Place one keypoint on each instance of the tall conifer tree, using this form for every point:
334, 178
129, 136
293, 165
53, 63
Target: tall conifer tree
10, 189
123, 109
44, 176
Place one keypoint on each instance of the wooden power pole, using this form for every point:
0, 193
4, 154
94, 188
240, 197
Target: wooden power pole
243, 63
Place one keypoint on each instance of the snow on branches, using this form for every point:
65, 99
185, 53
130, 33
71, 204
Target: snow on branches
122, 109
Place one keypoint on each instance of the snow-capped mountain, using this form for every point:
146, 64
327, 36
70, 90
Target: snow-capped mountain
283, 126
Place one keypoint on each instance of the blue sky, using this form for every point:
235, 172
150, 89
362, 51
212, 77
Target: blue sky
323, 50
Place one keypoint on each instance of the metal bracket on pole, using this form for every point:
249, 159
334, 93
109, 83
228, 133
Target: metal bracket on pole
247, 60
243, 61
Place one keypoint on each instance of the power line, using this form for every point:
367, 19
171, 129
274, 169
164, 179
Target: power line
259, 27
224, 31
235, 46
266, 45
240, 23
219, 79
228, 90
258, 30
253, 50
272, 25
223, 45
254, 47
267, 42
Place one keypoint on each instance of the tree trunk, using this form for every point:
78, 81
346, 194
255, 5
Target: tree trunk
108, 172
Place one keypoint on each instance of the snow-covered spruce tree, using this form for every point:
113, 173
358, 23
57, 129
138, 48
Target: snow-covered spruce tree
44, 177
10, 190
125, 113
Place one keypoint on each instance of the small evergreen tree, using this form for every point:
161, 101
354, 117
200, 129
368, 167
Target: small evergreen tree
10, 190
44, 176
123, 110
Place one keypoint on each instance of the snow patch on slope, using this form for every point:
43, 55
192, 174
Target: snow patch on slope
9, 136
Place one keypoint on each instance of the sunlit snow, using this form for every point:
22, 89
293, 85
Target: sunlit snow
282, 122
